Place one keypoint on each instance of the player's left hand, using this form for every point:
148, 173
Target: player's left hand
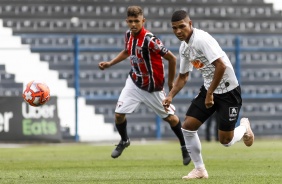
209, 101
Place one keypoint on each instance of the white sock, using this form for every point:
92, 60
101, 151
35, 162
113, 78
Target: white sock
194, 147
239, 131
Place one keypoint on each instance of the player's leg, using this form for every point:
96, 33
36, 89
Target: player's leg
175, 126
208, 129
128, 101
121, 124
228, 138
249, 136
154, 101
228, 113
196, 115
193, 144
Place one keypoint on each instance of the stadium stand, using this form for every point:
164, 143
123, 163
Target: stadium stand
8, 85
47, 25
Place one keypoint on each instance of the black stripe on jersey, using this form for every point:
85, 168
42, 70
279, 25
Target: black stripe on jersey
146, 56
126, 39
128, 35
133, 48
133, 52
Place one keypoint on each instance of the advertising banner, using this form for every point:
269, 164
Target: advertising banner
22, 122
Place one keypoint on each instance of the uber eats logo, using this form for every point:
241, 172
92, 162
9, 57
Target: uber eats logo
5, 121
35, 121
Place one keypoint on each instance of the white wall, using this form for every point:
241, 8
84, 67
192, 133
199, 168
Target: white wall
277, 4
27, 66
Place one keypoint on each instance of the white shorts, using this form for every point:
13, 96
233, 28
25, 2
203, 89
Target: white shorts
131, 97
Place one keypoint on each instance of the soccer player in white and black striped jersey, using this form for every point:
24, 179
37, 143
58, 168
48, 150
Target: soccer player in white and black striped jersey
220, 92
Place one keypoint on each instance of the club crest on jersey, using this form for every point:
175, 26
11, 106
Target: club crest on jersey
197, 63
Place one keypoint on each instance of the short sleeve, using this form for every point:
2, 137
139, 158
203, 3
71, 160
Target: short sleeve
209, 47
157, 46
185, 65
126, 38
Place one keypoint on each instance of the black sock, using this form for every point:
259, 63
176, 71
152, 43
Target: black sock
122, 130
178, 132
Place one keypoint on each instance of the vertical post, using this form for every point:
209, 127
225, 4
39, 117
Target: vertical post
238, 67
76, 83
238, 61
158, 127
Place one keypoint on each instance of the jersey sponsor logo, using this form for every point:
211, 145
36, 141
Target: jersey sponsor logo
135, 59
197, 64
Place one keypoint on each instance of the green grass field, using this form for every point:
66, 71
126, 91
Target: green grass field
154, 162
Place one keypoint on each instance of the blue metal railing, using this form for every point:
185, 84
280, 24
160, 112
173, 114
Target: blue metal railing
76, 81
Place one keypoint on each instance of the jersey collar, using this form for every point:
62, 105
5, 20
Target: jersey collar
191, 39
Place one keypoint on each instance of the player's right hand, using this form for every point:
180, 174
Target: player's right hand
166, 103
103, 65
209, 101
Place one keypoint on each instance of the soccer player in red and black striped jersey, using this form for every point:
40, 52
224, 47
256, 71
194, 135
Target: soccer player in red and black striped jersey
145, 83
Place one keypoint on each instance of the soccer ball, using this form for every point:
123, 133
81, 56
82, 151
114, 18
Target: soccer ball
36, 93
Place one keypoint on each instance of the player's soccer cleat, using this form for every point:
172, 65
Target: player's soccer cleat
185, 156
120, 147
197, 174
248, 137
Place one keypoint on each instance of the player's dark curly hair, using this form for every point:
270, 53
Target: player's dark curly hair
179, 15
134, 11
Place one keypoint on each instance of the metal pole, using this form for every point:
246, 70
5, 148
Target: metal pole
238, 67
76, 83
158, 127
238, 61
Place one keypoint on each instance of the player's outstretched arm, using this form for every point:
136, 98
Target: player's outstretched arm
120, 57
178, 85
171, 68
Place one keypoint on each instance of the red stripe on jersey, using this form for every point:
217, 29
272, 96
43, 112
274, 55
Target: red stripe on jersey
142, 66
134, 77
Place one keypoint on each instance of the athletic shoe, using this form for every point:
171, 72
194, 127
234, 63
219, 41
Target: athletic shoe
248, 137
185, 155
201, 173
120, 147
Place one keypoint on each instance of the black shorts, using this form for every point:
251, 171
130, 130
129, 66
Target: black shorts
227, 106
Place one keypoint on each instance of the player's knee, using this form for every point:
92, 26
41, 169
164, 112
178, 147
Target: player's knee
119, 118
172, 120
191, 124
